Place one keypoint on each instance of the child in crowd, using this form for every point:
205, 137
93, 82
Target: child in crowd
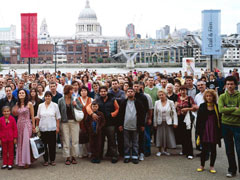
94, 130
8, 137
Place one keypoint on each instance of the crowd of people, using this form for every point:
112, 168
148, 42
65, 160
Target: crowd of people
131, 111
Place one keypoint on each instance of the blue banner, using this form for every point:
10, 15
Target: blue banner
211, 31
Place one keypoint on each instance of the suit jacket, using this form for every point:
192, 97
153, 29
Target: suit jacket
8, 131
170, 119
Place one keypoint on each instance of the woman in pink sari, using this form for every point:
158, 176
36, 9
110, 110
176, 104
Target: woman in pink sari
24, 110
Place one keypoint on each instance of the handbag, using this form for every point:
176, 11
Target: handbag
79, 115
192, 117
37, 147
172, 113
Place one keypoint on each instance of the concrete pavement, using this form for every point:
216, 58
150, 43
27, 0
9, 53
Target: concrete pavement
152, 168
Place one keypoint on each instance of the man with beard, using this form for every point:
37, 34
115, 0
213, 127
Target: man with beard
109, 107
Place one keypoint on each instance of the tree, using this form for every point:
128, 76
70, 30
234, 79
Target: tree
109, 60
90, 60
100, 60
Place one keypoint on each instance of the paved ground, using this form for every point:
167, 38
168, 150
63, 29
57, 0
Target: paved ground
154, 168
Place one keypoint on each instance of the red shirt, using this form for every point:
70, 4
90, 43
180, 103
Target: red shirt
8, 131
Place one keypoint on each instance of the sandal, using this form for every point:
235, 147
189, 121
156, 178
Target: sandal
201, 169
45, 163
74, 160
68, 162
53, 163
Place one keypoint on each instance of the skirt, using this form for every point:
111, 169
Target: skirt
165, 136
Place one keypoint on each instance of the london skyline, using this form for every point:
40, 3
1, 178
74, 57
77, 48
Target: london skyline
115, 15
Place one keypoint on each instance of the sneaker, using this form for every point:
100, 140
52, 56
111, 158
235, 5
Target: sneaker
59, 146
97, 161
135, 161
141, 157
10, 167
230, 174
4, 166
166, 153
126, 160
147, 154
158, 154
190, 157
93, 160
114, 160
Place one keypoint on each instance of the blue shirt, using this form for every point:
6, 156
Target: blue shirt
15, 93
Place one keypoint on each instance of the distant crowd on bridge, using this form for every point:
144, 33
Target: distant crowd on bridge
80, 112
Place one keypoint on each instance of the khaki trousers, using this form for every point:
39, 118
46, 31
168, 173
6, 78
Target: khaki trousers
70, 131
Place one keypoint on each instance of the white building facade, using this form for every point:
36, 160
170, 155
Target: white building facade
87, 26
8, 34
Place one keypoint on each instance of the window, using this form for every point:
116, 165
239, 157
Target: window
70, 48
79, 48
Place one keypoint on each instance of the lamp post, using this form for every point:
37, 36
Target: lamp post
55, 49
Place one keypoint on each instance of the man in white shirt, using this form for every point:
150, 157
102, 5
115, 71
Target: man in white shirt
59, 86
2, 89
201, 85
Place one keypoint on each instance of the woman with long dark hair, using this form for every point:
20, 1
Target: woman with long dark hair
24, 110
35, 100
86, 82
41, 91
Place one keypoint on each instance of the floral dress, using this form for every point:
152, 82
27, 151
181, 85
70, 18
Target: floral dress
24, 125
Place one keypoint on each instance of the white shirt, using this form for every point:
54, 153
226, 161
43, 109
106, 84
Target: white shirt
199, 99
48, 116
2, 93
59, 89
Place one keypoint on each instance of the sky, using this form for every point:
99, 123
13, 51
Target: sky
114, 15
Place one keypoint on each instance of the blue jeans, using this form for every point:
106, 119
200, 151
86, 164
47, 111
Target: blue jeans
130, 144
147, 140
231, 135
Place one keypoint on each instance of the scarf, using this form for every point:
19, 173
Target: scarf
216, 111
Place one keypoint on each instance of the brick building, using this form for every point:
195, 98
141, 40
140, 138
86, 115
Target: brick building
69, 51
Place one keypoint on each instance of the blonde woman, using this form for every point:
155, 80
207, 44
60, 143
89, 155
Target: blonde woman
165, 119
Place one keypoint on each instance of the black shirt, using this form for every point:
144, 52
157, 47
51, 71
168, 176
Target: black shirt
56, 97
69, 112
5, 102
173, 97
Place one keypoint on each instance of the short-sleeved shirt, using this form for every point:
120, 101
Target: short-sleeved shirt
48, 116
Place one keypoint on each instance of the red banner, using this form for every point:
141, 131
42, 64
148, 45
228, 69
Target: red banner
29, 41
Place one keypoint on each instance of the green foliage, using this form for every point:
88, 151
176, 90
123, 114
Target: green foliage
90, 60
100, 60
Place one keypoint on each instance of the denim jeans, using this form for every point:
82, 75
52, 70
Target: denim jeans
130, 144
147, 140
231, 135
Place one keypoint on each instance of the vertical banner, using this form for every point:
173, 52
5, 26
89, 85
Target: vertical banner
29, 41
211, 31
188, 65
